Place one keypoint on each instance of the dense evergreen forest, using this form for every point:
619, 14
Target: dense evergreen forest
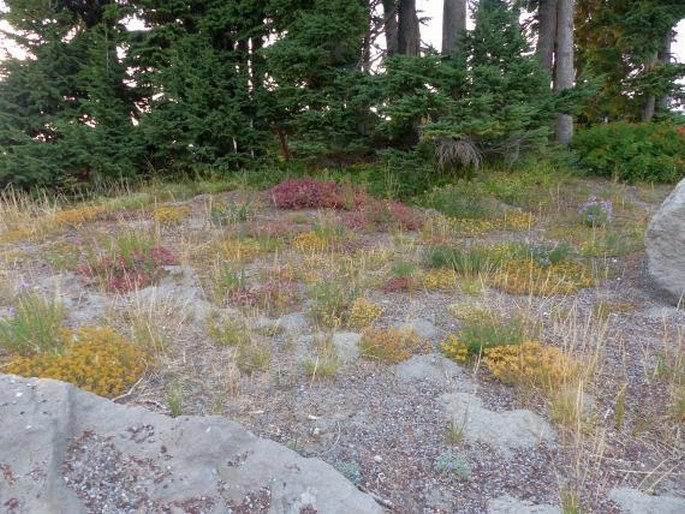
208, 86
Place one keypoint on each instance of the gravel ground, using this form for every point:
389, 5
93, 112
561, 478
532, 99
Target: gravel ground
388, 435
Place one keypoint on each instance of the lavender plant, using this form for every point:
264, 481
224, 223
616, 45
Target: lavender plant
596, 212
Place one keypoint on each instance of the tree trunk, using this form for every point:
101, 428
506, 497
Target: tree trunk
547, 19
453, 25
365, 61
649, 107
563, 67
408, 34
665, 59
390, 23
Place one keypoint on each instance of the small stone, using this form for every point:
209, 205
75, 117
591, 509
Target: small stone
378, 459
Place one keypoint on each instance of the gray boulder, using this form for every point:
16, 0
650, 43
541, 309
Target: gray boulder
633, 501
65, 450
665, 245
504, 431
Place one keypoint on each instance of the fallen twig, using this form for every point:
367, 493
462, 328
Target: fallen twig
378, 499
129, 391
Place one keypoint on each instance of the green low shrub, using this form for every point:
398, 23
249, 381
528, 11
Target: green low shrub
634, 152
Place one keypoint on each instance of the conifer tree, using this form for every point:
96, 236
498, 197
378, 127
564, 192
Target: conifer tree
199, 69
625, 43
316, 105
63, 108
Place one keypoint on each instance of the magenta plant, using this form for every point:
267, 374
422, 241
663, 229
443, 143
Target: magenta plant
306, 193
381, 216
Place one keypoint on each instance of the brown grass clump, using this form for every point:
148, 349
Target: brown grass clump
522, 276
390, 345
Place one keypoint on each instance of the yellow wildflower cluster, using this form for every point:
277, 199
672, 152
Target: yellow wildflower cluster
439, 279
15, 235
77, 215
309, 242
390, 345
521, 276
455, 349
330, 320
235, 251
443, 228
170, 214
49, 222
468, 312
531, 364
363, 313
98, 360
474, 226
518, 220
439, 229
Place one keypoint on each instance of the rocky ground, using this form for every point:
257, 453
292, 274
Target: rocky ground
425, 435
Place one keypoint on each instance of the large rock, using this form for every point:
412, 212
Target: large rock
505, 431
665, 244
633, 501
65, 450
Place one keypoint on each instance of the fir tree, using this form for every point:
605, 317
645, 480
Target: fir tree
64, 108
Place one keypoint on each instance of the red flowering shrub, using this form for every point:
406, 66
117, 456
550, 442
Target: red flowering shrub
365, 212
271, 297
397, 285
137, 267
306, 193
383, 215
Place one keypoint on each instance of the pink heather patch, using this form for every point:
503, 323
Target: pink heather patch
123, 273
305, 193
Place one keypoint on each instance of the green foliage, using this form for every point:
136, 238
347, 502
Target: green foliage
66, 114
319, 106
634, 152
617, 44
351, 470
465, 261
212, 86
227, 332
465, 199
453, 465
253, 357
231, 212
542, 254
488, 330
527, 184
33, 326
331, 302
